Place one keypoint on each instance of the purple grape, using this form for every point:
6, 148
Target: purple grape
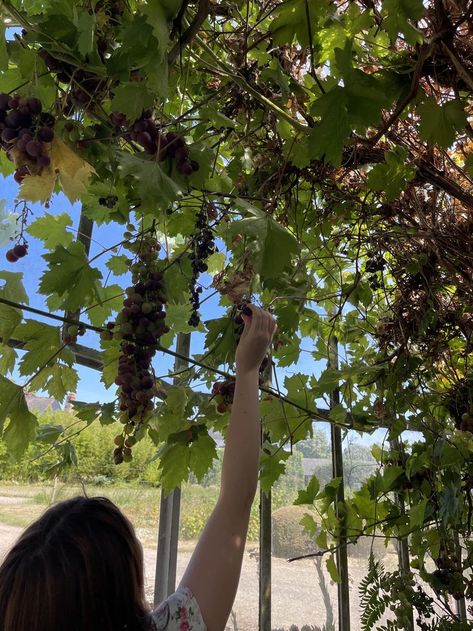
9, 134
21, 144
43, 161
20, 173
181, 154
34, 105
14, 120
13, 102
34, 148
45, 134
47, 119
140, 125
4, 99
20, 250
185, 168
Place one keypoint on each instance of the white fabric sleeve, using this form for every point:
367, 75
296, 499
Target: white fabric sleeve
179, 612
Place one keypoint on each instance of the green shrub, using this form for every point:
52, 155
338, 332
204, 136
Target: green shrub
93, 446
197, 503
289, 537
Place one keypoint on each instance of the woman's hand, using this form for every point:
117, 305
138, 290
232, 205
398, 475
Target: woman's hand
255, 339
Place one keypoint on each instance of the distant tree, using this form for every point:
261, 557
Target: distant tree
358, 464
318, 446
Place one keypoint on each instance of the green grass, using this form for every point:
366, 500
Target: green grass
140, 504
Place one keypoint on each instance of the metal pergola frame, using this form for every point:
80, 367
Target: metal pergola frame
168, 526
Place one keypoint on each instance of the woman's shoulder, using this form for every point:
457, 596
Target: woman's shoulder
179, 612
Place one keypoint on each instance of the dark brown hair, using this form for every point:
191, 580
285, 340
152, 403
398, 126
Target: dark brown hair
79, 567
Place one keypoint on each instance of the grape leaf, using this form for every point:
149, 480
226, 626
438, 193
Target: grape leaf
291, 21
86, 24
308, 495
309, 524
392, 176
177, 317
332, 569
52, 229
42, 342
74, 172
3, 48
71, 277
21, 428
158, 20
272, 467
154, 186
327, 138
49, 433
12, 290
112, 302
274, 246
440, 123
8, 357
110, 355
57, 380
118, 264
202, 454
216, 262
174, 465
131, 99
398, 15
38, 188
172, 416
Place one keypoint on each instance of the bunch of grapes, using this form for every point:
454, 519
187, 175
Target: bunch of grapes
86, 87
17, 252
204, 246
26, 133
223, 392
109, 201
139, 326
147, 133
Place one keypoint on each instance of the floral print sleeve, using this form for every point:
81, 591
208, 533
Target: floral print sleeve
179, 612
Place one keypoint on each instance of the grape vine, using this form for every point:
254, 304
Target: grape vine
328, 153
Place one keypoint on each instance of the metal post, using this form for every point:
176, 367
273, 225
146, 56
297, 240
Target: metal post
461, 602
265, 538
265, 562
343, 587
403, 543
168, 533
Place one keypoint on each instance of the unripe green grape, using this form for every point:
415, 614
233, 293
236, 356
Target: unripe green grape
130, 441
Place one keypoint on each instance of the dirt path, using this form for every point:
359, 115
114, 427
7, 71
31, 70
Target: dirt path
296, 595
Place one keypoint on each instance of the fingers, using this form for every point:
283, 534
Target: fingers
258, 320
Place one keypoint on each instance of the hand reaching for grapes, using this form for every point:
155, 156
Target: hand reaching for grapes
260, 327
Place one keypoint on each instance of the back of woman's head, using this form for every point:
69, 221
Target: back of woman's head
77, 568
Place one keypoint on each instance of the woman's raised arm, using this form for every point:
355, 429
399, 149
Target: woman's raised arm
214, 569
